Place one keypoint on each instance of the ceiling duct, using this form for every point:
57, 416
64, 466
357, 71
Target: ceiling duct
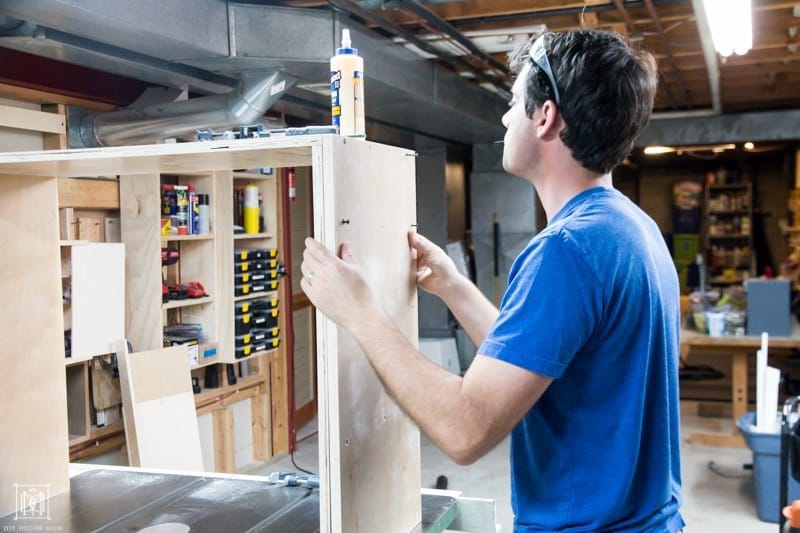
244, 105
205, 46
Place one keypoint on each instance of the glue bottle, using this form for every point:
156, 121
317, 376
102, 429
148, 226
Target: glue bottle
251, 209
347, 89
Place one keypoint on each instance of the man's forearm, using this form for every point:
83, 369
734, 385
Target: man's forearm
472, 309
430, 395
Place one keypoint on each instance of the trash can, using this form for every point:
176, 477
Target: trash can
766, 449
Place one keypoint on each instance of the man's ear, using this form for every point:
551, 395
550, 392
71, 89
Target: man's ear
547, 121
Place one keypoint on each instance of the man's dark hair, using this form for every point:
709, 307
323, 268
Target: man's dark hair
606, 89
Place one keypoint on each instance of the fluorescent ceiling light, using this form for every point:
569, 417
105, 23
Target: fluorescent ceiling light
658, 150
731, 23
680, 150
490, 41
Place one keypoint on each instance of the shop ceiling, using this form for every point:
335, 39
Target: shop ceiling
205, 45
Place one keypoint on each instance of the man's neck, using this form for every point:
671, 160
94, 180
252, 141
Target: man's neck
560, 185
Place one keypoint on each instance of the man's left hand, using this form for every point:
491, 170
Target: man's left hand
336, 285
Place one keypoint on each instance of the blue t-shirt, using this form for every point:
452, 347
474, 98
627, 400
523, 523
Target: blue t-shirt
593, 302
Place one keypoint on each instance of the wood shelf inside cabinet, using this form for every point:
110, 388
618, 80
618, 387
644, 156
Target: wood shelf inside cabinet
722, 237
240, 236
257, 354
206, 237
211, 395
268, 294
70, 361
729, 212
177, 304
96, 433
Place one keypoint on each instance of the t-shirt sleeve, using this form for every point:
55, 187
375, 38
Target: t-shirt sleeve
550, 309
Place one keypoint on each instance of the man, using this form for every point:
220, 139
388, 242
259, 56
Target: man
580, 362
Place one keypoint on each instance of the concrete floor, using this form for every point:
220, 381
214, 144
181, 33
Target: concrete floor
712, 503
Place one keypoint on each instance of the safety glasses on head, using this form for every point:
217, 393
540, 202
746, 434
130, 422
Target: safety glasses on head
539, 56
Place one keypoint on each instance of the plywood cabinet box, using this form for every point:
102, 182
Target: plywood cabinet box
363, 193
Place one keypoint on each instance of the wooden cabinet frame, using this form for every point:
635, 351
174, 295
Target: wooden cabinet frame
363, 193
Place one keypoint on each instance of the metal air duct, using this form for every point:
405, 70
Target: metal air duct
244, 105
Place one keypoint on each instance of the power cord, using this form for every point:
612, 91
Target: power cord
300, 468
292, 454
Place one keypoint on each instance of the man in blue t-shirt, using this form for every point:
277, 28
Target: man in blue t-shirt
579, 364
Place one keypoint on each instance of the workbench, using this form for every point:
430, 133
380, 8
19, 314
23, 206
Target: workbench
739, 348
103, 498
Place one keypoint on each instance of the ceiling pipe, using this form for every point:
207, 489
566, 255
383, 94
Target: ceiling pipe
557, 12
446, 28
662, 38
710, 56
356, 11
244, 105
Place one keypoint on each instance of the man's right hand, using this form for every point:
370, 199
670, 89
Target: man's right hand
436, 272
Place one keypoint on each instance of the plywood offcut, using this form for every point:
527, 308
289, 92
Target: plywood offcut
158, 404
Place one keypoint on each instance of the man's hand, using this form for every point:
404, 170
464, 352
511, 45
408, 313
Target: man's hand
335, 285
436, 272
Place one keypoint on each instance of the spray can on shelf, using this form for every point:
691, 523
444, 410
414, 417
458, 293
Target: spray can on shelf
251, 210
182, 212
203, 220
194, 212
347, 89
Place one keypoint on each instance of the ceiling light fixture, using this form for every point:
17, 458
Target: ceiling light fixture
749, 146
681, 150
731, 23
658, 150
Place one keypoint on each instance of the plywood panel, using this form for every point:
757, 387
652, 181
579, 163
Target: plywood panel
369, 449
139, 207
160, 420
98, 299
88, 193
222, 228
33, 421
184, 158
105, 388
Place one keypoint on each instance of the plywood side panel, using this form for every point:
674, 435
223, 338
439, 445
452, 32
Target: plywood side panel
222, 228
33, 421
139, 209
279, 362
371, 458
